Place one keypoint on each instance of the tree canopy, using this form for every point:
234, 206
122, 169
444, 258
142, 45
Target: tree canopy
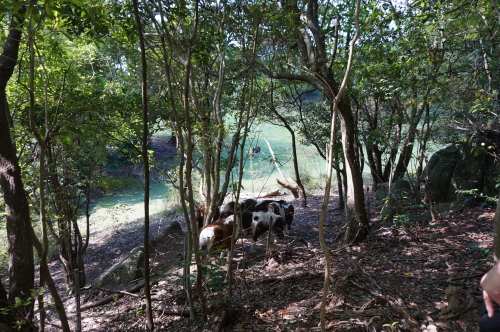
423, 74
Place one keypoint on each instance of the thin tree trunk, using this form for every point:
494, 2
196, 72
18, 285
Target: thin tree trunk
49, 282
272, 153
326, 199
311, 45
181, 142
145, 158
295, 159
41, 182
341, 185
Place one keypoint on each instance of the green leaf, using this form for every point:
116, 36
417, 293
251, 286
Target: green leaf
76, 2
18, 302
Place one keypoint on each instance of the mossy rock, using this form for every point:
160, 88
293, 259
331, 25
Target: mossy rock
131, 267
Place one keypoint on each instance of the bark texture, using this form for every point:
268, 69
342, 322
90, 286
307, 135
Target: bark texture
20, 246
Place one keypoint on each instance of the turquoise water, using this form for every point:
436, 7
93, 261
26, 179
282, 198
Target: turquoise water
261, 172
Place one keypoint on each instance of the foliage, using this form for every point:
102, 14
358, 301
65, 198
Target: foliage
403, 221
474, 197
423, 72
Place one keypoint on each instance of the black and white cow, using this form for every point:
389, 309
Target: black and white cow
260, 225
281, 207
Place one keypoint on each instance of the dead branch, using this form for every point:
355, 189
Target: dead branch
116, 291
373, 293
272, 193
111, 298
304, 276
362, 313
180, 311
290, 185
477, 275
368, 276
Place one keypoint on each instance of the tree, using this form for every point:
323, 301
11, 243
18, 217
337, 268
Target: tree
145, 158
312, 46
21, 263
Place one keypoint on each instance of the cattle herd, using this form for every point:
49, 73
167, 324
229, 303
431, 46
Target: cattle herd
252, 217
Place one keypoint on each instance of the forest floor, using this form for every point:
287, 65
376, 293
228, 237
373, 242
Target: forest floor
393, 281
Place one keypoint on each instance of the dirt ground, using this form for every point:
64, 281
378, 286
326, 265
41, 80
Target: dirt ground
394, 281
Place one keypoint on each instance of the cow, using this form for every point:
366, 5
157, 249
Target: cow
281, 207
217, 235
199, 215
248, 205
260, 225
226, 210
263, 206
285, 210
244, 222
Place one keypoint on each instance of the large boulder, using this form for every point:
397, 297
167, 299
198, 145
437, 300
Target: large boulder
121, 274
395, 195
443, 209
460, 167
399, 190
131, 267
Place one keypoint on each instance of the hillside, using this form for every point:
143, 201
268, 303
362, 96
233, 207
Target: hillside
388, 278
394, 277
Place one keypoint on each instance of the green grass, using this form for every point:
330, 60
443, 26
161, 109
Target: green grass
125, 201
115, 211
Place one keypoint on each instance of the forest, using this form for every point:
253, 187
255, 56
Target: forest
102, 98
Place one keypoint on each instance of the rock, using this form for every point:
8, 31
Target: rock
400, 190
459, 167
382, 190
400, 193
124, 272
443, 209
130, 267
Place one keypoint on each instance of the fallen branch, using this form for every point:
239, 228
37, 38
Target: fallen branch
368, 276
272, 193
111, 298
304, 276
180, 311
361, 313
373, 293
115, 291
290, 185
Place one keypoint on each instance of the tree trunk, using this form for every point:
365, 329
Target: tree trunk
340, 187
145, 159
6, 320
407, 148
49, 282
374, 156
67, 235
299, 189
358, 228
20, 246
312, 47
